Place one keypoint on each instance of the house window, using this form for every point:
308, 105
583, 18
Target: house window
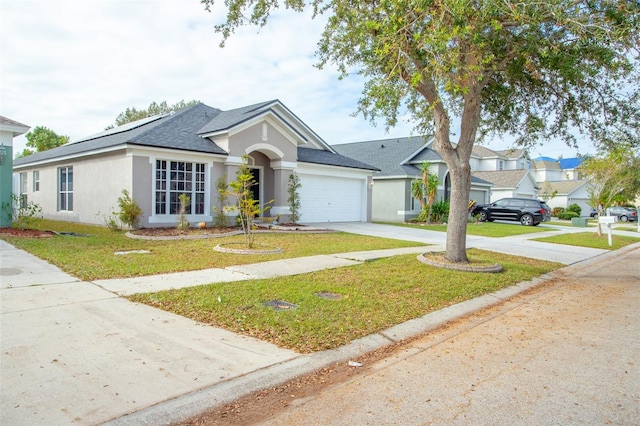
65, 189
36, 180
500, 165
179, 177
23, 190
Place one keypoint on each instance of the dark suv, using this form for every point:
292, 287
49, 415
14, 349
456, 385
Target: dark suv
524, 210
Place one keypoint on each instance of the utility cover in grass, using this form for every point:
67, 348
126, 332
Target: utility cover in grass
280, 305
329, 295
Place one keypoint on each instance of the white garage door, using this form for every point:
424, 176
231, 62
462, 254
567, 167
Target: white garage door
331, 199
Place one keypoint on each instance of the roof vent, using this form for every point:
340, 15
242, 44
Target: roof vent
382, 146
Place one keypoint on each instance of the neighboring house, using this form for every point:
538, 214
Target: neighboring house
158, 158
484, 159
510, 183
508, 170
9, 129
568, 192
551, 170
399, 161
563, 177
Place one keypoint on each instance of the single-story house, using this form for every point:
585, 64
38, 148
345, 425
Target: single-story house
399, 161
568, 192
158, 158
519, 183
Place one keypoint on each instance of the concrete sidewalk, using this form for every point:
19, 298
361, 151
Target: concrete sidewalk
75, 352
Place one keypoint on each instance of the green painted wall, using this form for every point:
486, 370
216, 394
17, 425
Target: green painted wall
6, 185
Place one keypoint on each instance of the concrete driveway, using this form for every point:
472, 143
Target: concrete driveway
73, 353
519, 245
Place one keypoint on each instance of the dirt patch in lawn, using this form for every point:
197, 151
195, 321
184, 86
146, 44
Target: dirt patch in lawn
26, 233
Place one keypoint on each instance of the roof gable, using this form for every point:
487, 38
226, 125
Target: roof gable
394, 156
504, 178
564, 187
229, 122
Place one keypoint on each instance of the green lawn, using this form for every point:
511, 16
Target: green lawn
93, 256
374, 296
483, 229
590, 239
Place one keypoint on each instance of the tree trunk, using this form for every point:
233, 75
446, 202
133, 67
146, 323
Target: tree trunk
458, 213
457, 160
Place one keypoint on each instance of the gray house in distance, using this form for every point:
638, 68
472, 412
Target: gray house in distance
399, 160
158, 158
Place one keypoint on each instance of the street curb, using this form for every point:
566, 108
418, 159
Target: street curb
192, 404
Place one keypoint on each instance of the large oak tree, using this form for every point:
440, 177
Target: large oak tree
534, 69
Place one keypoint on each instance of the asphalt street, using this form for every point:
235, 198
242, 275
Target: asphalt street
567, 354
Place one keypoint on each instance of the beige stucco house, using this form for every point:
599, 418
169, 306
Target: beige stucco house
158, 158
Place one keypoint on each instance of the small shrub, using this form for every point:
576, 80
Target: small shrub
568, 215
22, 215
556, 211
219, 211
110, 220
440, 211
130, 211
574, 208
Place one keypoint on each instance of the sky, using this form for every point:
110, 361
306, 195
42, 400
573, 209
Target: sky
74, 66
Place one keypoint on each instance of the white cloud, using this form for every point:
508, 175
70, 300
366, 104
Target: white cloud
74, 66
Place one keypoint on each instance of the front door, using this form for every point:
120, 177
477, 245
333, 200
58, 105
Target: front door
255, 189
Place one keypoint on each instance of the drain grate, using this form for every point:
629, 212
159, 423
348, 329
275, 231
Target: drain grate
280, 305
328, 295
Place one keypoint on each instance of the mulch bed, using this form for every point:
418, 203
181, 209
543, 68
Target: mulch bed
26, 233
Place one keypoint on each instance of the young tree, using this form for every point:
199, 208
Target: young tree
294, 197
133, 114
535, 69
248, 207
425, 190
42, 139
609, 175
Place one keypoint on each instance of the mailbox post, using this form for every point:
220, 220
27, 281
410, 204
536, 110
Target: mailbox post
608, 220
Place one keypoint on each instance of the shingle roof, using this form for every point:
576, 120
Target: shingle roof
393, 157
318, 156
564, 187
16, 128
512, 153
181, 131
483, 151
502, 178
546, 165
228, 119
9, 122
176, 131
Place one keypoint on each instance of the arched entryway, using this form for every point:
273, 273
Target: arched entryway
447, 187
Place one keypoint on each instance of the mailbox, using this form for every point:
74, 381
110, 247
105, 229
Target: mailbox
607, 220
